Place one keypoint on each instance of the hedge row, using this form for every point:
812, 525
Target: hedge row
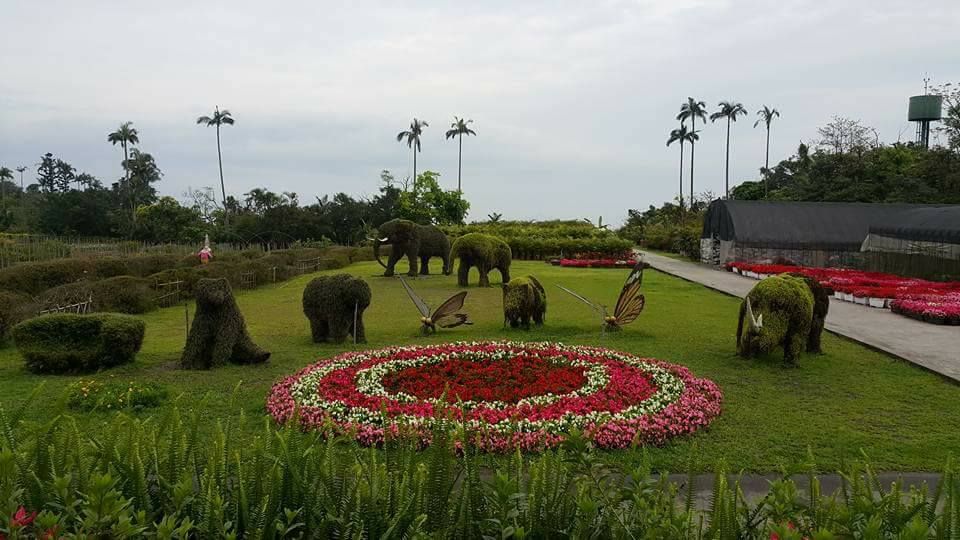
78, 280
68, 342
550, 239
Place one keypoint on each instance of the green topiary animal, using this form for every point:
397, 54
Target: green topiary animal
821, 305
524, 299
418, 243
484, 252
778, 311
218, 334
332, 303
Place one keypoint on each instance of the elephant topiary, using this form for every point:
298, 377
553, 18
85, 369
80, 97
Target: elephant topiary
218, 334
332, 304
524, 299
779, 311
413, 241
484, 252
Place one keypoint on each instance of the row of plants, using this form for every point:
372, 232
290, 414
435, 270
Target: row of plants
620, 262
137, 284
159, 477
539, 240
931, 301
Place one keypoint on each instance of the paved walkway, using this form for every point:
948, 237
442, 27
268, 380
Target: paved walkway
934, 347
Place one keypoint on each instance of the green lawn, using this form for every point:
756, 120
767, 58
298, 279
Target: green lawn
836, 404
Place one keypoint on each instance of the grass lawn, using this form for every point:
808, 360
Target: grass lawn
837, 404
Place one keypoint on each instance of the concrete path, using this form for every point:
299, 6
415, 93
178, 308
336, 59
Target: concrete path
931, 346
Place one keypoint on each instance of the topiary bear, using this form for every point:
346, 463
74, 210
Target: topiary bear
413, 241
524, 299
331, 303
778, 311
218, 334
484, 252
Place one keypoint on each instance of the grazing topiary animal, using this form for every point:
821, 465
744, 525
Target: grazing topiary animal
332, 303
524, 299
413, 241
821, 305
778, 311
218, 334
484, 252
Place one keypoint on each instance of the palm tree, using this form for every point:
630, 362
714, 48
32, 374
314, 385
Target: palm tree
692, 109
730, 111
219, 118
413, 140
127, 136
21, 170
682, 135
766, 115
458, 129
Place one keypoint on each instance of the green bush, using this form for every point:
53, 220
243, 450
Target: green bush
548, 239
35, 277
14, 307
87, 395
67, 342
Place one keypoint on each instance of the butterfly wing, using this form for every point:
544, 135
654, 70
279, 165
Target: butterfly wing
449, 309
417, 301
631, 302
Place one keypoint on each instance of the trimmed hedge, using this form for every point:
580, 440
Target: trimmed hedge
549, 239
67, 342
121, 294
14, 307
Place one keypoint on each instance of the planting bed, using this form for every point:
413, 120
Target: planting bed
929, 301
508, 395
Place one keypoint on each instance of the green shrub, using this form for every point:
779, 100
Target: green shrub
14, 307
548, 239
121, 294
67, 342
87, 395
35, 277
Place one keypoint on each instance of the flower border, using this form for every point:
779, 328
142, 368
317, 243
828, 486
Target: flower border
608, 409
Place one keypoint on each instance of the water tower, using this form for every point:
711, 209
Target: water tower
923, 110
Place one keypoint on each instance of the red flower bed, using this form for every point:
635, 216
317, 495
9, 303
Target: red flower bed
930, 301
486, 380
500, 395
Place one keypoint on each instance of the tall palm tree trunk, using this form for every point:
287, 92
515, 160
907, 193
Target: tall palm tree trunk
414, 164
681, 182
223, 189
766, 164
126, 172
460, 164
727, 171
693, 146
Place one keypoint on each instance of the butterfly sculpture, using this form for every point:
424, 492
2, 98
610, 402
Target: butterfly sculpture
445, 316
629, 304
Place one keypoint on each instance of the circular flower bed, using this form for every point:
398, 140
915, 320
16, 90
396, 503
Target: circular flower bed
501, 395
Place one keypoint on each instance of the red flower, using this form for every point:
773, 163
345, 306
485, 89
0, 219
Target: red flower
21, 519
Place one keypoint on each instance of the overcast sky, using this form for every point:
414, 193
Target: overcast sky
572, 101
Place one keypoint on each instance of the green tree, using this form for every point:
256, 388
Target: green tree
692, 109
5, 176
219, 118
126, 135
168, 221
138, 188
682, 135
412, 137
766, 115
458, 129
729, 111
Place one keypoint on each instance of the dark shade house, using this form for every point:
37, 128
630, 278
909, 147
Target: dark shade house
805, 233
933, 232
